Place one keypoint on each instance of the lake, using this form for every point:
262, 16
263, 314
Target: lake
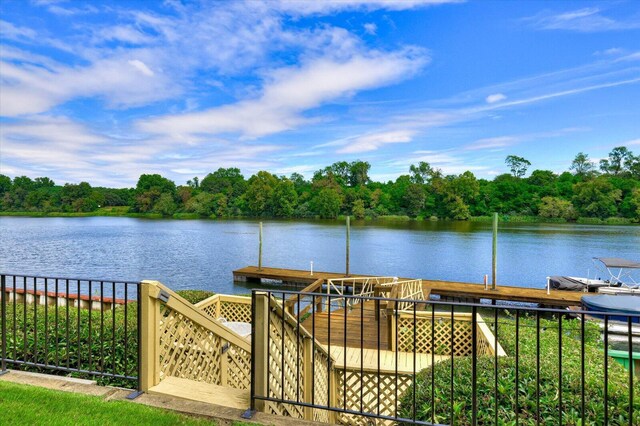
202, 253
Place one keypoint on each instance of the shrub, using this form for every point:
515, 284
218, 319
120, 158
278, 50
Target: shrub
195, 296
618, 388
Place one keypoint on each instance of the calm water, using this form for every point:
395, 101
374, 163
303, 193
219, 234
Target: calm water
202, 254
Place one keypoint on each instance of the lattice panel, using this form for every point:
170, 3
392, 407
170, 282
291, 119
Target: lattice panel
211, 310
286, 380
233, 311
239, 368
321, 371
188, 350
370, 393
441, 342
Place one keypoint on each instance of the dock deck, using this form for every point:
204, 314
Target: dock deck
445, 289
358, 328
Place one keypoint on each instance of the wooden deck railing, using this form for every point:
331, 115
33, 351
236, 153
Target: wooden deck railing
182, 341
231, 308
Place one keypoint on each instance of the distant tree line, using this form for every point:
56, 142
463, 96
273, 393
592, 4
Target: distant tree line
586, 190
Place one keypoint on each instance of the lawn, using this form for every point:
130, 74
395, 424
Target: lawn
30, 405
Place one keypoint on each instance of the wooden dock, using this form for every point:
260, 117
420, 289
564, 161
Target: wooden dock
445, 289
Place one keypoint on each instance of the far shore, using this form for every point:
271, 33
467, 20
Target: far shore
124, 212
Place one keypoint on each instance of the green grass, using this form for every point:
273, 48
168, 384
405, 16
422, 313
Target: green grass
30, 405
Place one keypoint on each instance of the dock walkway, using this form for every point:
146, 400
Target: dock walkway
444, 289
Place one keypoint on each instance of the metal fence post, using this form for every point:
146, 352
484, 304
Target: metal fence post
140, 324
3, 308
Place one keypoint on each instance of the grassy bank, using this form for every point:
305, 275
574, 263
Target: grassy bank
123, 211
30, 405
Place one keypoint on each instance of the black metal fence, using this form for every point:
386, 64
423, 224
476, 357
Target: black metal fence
72, 326
362, 360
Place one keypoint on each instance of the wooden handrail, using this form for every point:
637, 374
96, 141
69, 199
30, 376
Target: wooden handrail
297, 298
181, 305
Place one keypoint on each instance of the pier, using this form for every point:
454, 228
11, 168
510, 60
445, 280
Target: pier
446, 290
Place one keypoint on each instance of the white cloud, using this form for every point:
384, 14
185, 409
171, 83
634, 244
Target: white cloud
496, 97
493, 143
370, 28
374, 141
630, 143
141, 66
29, 89
307, 7
289, 92
581, 20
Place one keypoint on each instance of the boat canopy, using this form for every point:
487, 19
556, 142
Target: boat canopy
621, 304
616, 262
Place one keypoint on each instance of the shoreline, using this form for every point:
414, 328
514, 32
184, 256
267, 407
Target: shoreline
120, 212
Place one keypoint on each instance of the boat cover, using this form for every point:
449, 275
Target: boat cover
609, 303
616, 262
567, 283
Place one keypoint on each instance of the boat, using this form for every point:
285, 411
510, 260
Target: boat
620, 280
618, 308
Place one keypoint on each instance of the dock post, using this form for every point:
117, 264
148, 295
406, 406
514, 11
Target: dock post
260, 249
348, 242
494, 261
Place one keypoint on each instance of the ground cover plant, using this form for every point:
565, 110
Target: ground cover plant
457, 410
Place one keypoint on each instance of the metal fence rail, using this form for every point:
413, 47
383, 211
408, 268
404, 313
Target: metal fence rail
457, 363
80, 327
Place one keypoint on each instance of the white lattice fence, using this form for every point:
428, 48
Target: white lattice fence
321, 371
187, 349
286, 368
370, 393
428, 336
231, 308
190, 345
234, 311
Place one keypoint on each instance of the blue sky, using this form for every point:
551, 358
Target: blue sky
105, 91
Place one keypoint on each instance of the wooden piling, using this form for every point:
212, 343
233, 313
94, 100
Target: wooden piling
348, 243
494, 259
260, 249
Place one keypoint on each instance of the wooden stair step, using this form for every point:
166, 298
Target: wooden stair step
203, 392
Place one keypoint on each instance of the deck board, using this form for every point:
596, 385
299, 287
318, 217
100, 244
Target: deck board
203, 392
369, 362
360, 327
441, 288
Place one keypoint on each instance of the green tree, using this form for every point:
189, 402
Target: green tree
229, 182
596, 198
423, 172
358, 210
285, 198
582, 165
414, 199
5, 184
149, 190
165, 205
517, 165
553, 207
619, 160
201, 204
259, 194
327, 203
635, 202
359, 173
